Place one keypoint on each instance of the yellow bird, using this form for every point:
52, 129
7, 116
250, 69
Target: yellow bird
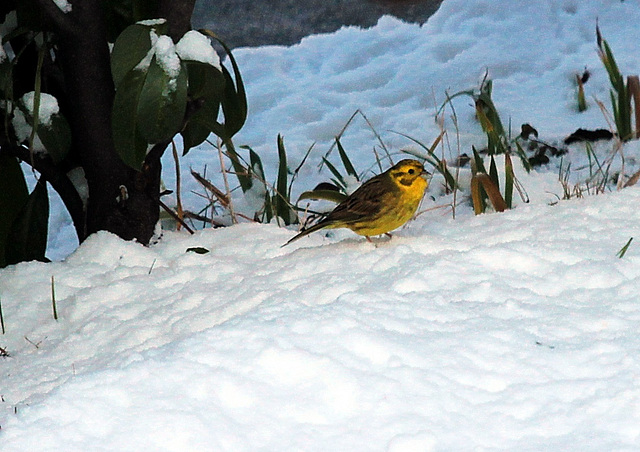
380, 205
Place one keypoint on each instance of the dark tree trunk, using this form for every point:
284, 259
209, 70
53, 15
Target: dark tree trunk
178, 15
90, 92
121, 200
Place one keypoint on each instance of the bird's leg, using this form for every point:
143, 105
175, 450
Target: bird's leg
388, 234
368, 239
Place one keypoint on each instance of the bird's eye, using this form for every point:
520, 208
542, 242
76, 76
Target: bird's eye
411, 171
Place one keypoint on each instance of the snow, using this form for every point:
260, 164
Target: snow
165, 51
64, 5
504, 331
195, 46
48, 107
152, 22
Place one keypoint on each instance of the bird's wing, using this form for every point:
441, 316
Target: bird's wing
366, 201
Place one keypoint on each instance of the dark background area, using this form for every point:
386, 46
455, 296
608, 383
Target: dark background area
250, 23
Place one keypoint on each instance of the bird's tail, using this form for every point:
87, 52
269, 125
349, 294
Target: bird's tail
315, 227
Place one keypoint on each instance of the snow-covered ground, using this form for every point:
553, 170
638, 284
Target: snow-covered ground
510, 331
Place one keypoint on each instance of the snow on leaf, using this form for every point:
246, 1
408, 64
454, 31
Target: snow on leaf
197, 47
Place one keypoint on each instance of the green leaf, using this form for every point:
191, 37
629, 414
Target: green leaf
130, 48
130, 146
235, 112
234, 100
206, 84
205, 81
13, 196
195, 131
328, 195
27, 239
233, 108
56, 137
162, 103
6, 78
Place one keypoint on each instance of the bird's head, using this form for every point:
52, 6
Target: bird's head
406, 172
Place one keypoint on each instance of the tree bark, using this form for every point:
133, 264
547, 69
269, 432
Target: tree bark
178, 15
121, 200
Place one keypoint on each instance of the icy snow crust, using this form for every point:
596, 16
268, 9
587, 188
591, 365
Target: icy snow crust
513, 331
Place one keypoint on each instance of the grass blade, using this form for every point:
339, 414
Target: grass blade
297, 170
476, 196
493, 172
53, 299
241, 172
345, 160
633, 88
1, 318
282, 197
624, 249
509, 176
432, 158
339, 178
479, 163
492, 191
582, 101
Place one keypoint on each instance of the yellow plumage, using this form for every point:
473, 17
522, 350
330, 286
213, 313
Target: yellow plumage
380, 205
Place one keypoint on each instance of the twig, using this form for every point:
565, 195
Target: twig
226, 185
36, 345
204, 219
632, 180
222, 198
175, 216
152, 265
344, 129
179, 212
